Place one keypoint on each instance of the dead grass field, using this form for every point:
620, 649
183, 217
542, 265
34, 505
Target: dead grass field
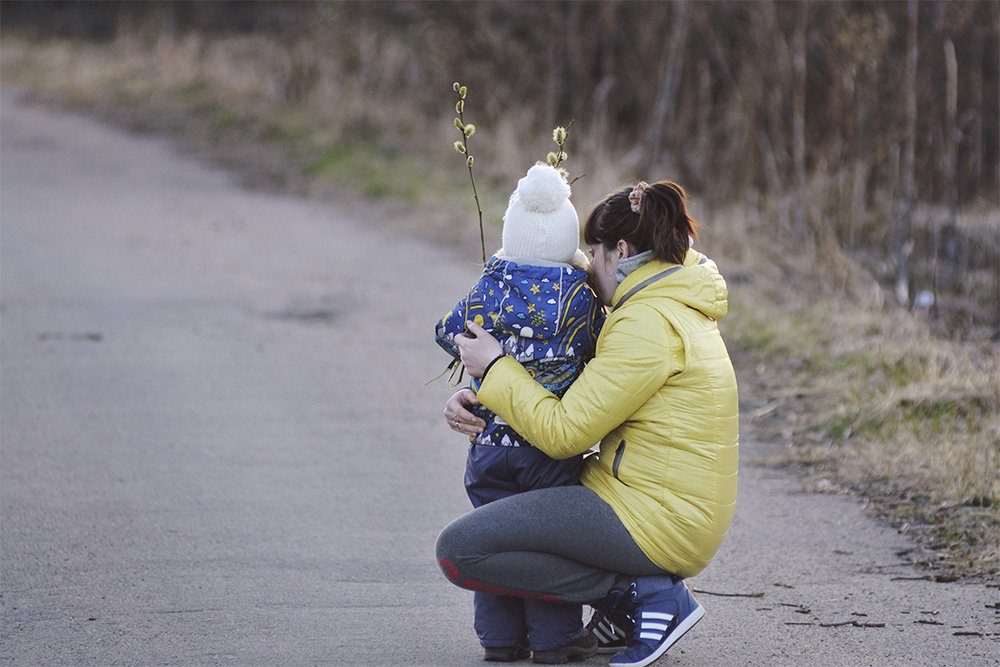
861, 393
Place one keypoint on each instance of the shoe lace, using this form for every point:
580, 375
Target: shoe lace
616, 600
616, 606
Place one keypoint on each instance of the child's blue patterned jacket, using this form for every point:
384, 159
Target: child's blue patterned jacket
546, 317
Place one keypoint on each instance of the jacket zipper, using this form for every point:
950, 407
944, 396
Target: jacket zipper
618, 459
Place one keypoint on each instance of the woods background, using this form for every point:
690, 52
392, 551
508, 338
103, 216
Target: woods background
872, 125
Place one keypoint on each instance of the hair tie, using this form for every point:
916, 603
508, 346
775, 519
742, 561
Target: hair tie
635, 197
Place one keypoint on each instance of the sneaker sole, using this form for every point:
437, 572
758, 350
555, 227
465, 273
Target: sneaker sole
562, 658
671, 639
513, 657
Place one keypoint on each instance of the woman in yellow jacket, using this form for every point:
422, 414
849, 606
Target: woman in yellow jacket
660, 395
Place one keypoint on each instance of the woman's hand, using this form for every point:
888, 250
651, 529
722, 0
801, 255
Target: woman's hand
478, 349
456, 413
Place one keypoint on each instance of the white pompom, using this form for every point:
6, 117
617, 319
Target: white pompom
543, 189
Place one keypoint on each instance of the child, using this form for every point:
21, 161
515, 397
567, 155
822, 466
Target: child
533, 296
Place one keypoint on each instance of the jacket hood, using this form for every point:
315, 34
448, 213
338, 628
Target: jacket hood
538, 299
696, 283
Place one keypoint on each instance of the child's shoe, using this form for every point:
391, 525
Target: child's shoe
611, 623
506, 653
663, 611
581, 648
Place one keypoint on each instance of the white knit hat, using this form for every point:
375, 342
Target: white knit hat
540, 221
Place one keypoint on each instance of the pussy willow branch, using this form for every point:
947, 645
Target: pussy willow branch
561, 148
475, 193
561, 152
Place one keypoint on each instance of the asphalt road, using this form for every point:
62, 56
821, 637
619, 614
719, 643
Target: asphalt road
217, 445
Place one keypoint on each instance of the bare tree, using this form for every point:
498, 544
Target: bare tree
950, 141
671, 80
799, 119
906, 200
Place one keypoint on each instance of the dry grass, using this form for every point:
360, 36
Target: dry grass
861, 392
866, 399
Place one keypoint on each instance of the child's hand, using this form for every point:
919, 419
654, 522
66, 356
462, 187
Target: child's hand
478, 349
456, 413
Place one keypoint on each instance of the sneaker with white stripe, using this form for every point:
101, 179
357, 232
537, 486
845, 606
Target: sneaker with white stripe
613, 631
663, 611
610, 622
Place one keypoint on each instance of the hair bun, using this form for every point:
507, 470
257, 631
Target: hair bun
543, 189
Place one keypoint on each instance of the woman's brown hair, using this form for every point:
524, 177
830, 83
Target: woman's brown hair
661, 225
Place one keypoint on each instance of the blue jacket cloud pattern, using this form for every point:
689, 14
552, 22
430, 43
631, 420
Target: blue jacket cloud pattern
546, 317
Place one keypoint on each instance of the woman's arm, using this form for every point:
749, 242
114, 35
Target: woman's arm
478, 349
637, 354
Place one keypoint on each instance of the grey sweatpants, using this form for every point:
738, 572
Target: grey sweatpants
560, 544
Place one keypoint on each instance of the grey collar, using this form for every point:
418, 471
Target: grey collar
630, 264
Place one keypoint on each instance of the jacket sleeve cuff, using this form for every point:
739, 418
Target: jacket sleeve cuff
489, 366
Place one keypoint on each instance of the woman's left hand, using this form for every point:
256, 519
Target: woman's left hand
478, 349
457, 413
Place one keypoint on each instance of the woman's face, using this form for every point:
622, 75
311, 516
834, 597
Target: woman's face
602, 271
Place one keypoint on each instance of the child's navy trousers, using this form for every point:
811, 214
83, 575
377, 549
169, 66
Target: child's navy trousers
492, 473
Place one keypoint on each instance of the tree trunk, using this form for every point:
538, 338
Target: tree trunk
950, 176
799, 120
902, 220
671, 80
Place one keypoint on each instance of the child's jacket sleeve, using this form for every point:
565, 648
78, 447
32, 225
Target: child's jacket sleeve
471, 307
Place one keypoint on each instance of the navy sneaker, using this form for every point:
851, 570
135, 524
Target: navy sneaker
611, 623
663, 611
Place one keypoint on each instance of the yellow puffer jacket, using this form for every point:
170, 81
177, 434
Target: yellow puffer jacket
660, 395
